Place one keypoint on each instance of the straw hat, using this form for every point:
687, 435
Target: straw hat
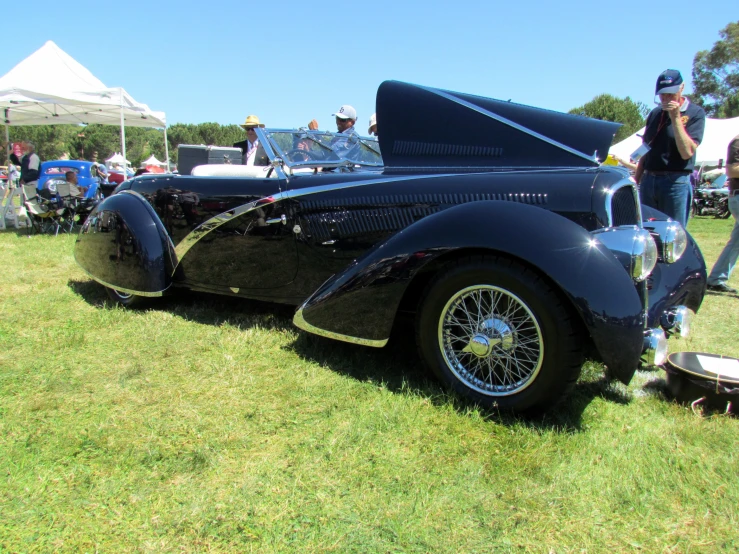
251, 121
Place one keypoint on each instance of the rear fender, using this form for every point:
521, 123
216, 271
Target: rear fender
124, 246
359, 304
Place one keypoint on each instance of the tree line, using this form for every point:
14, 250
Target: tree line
715, 88
81, 142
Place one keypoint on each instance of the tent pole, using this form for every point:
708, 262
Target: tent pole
7, 137
166, 148
123, 137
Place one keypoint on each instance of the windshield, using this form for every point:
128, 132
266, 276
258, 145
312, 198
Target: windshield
321, 149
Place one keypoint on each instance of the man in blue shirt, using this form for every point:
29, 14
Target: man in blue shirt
673, 132
346, 117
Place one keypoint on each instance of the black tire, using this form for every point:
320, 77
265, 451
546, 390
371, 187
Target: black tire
525, 327
722, 211
124, 299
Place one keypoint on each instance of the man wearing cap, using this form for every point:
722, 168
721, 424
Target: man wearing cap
727, 259
346, 117
673, 132
250, 145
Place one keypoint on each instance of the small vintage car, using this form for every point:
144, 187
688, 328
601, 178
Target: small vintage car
86, 176
492, 224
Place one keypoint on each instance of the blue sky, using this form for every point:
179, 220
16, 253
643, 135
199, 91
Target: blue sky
291, 61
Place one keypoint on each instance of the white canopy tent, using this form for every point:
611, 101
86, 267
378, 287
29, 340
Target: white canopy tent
117, 158
50, 87
716, 139
152, 161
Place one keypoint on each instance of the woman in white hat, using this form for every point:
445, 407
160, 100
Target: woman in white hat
249, 146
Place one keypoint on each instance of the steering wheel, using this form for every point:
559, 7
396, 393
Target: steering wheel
298, 155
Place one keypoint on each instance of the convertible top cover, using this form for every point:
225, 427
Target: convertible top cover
427, 127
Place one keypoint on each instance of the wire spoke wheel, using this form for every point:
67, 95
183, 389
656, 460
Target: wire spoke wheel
491, 340
499, 334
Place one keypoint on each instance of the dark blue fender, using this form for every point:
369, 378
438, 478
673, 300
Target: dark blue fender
361, 302
124, 245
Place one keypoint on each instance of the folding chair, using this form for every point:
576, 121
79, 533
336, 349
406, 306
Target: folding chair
68, 204
44, 214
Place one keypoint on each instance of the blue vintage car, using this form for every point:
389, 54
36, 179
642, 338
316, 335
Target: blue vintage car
86, 175
516, 253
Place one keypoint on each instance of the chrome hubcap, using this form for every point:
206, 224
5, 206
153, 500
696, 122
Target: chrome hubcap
491, 340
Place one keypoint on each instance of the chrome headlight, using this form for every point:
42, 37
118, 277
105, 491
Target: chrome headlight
634, 247
672, 239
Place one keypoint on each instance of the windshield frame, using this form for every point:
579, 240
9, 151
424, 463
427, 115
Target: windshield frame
278, 155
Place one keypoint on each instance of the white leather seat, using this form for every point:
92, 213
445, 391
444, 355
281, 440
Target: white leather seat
228, 170
248, 171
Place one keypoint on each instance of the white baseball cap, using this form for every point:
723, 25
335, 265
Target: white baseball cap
346, 112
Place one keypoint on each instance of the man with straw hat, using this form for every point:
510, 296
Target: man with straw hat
250, 145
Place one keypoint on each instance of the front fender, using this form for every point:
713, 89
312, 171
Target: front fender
124, 246
359, 304
680, 283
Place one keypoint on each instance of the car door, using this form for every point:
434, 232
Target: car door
246, 246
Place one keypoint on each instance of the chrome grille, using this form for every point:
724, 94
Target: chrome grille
624, 209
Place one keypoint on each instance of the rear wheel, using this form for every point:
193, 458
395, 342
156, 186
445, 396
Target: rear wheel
496, 332
125, 299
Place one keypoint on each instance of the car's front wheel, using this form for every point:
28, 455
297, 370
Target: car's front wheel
496, 332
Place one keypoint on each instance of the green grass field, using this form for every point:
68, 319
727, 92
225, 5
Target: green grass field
208, 424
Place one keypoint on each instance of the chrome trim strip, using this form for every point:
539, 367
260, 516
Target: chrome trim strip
127, 291
628, 181
213, 223
301, 323
510, 123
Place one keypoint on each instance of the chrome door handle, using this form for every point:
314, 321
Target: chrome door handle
282, 219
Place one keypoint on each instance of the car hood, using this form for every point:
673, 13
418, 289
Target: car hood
427, 127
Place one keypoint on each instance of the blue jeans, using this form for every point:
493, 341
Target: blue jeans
670, 193
727, 259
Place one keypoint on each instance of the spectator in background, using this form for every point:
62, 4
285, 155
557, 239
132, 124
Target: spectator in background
727, 259
372, 131
30, 162
666, 157
74, 188
250, 145
346, 117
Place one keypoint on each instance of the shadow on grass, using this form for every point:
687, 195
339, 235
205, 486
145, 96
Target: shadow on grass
397, 366
209, 309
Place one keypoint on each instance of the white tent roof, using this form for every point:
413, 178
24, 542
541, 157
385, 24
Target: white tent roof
716, 139
117, 158
153, 161
50, 87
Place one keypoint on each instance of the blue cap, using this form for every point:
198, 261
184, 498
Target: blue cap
669, 82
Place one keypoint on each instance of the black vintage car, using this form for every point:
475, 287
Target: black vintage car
492, 222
